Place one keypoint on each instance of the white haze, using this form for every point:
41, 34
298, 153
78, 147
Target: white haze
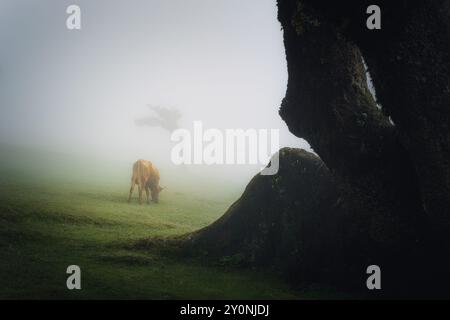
80, 92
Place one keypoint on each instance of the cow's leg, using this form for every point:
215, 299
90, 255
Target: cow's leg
131, 192
147, 192
140, 193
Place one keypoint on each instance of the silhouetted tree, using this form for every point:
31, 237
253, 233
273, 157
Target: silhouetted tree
390, 200
166, 118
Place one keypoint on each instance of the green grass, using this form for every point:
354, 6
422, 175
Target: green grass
47, 224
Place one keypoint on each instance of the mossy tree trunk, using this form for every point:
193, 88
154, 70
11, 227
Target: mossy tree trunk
387, 185
409, 61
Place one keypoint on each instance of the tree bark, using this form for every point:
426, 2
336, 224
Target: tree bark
409, 61
383, 189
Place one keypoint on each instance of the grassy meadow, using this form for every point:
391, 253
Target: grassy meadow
56, 211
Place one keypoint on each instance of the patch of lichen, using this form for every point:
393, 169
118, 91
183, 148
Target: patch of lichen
302, 20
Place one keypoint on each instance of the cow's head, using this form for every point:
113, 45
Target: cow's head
155, 193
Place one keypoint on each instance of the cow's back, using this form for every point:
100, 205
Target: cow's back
141, 171
144, 172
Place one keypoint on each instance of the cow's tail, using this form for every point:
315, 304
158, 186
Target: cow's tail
134, 174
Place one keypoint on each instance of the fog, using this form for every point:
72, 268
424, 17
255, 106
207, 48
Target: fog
87, 92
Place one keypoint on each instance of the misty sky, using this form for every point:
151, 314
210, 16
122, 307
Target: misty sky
219, 61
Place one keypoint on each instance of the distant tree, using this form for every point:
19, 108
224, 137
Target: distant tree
166, 118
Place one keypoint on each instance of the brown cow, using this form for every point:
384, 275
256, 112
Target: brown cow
146, 176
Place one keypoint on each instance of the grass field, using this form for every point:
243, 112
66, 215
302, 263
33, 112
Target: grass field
50, 220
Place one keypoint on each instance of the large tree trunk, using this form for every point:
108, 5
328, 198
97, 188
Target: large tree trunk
382, 193
287, 220
409, 61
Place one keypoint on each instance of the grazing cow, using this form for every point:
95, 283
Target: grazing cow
146, 176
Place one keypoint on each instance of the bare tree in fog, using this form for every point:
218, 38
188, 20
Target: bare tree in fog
166, 118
